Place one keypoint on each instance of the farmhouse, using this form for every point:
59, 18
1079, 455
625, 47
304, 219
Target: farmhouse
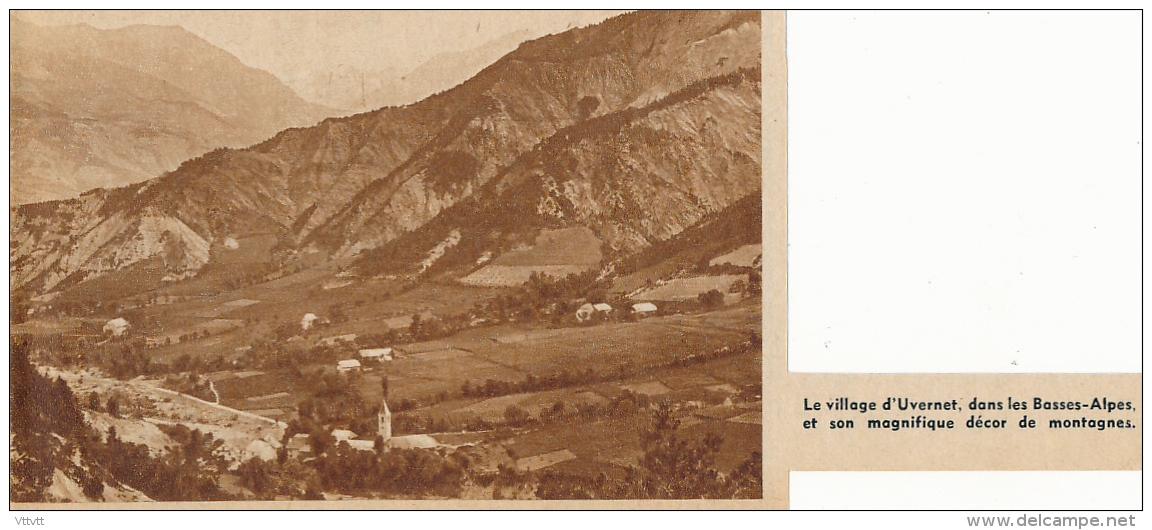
348, 365
307, 321
260, 449
585, 312
342, 435
116, 326
298, 444
376, 354
644, 308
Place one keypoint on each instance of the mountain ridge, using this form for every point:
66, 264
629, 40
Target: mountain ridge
103, 108
351, 184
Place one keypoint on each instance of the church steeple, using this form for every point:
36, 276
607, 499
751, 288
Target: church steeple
384, 417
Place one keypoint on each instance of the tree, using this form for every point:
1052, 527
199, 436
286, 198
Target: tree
586, 106
515, 416
711, 299
754, 283
414, 328
94, 401
18, 305
114, 406
674, 467
321, 440
254, 475
336, 314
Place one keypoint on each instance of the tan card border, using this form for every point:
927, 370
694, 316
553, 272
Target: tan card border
787, 446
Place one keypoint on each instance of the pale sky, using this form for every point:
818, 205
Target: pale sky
295, 44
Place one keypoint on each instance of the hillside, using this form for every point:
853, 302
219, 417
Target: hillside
700, 147
63, 450
604, 112
104, 108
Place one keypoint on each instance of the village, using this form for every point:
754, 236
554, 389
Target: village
557, 385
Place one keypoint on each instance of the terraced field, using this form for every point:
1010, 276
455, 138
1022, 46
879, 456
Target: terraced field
555, 253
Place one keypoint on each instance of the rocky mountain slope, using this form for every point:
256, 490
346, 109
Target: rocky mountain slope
571, 129
634, 177
103, 108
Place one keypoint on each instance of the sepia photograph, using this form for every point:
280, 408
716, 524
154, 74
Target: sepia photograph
259, 257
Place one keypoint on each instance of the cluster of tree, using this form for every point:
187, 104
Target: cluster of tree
673, 466
111, 406
192, 335
277, 354
514, 416
49, 432
408, 472
424, 329
36, 403
554, 300
533, 383
18, 306
565, 379
282, 477
188, 471
718, 232
132, 361
711, 299
404, 424
452, 170
192, 384
122, 359
335, 401
233, 278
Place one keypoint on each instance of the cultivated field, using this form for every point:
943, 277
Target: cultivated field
745, 256
555, 253
688, 288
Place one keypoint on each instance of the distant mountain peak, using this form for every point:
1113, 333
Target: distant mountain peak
633, 129
110, 107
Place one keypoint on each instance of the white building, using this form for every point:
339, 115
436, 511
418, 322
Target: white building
116, 327
643, 308
376, 354
307, 321
585, 312
260, 449
602, 307
342, 435
348, 365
